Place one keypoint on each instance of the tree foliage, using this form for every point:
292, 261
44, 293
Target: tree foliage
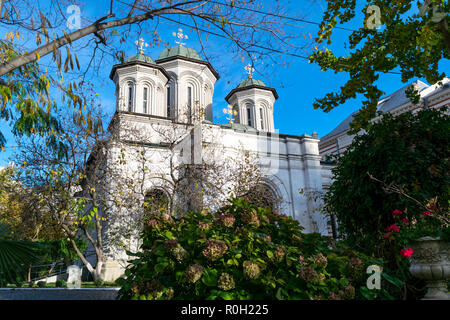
409, 151
28, 91
412, 43
23, 211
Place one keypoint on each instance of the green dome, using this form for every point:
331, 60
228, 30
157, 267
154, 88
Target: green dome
140, 58
251, 82
180, 51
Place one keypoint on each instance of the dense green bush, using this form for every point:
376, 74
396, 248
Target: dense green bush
408, 151
41, 284
60, 284
99, 282
241, 252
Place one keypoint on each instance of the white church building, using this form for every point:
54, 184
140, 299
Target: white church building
171, 98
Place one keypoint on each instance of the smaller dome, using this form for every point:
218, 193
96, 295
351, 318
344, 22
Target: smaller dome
140, 58
251, 82
180, 51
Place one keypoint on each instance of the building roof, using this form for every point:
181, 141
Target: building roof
251, 83
184, 53
385, 104
140, 58
180, 51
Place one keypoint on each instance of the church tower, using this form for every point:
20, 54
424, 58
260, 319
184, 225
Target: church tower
253, 103
191, 86
140, 85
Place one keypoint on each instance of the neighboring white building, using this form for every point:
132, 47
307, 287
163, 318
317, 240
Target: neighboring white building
175, 93
434, 96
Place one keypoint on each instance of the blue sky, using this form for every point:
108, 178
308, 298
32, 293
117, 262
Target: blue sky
297, 83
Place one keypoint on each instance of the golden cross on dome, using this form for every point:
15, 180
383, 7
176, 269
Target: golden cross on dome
140, 45
250, 70
230, 112
180, 36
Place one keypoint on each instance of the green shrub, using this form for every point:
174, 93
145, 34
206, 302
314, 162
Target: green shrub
99, 282
41, 284
241, 252
60, 284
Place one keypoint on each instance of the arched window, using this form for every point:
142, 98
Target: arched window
130, 97
156, 201
261, 116
236, 114
189, 104
249, 115
262, 196
145, 99
168, 102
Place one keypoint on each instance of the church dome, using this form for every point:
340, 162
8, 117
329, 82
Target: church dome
140, 58
251, 82
180, 51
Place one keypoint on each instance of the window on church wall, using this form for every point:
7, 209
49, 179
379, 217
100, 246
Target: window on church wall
237, 114
261, 115
189, 104
168, 102
145, 99
249, 116
130, 97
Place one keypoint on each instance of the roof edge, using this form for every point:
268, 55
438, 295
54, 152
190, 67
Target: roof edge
254, 86
206, 63
127, 64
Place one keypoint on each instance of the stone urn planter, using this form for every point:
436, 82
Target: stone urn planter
431, 262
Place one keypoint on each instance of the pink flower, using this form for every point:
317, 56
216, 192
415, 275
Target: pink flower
405, 220
406, 252
393, 227
427, 213
396, 212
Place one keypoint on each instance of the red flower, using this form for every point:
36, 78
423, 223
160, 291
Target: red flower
405, 220
396, 212
406, 252
394, 228
427, 213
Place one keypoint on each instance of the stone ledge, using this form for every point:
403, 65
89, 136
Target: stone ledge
58, 293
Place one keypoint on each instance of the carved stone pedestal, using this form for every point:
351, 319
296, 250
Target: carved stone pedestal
431, 262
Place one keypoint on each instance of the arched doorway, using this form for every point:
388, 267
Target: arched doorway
262, 196
156, 201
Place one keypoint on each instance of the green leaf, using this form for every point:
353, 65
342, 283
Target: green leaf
269, 254
209, 277
169, 235
343, 282
393, 280
160, 267
366, 293
226, 296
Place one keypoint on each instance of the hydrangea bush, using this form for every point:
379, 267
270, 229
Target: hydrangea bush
240, 252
